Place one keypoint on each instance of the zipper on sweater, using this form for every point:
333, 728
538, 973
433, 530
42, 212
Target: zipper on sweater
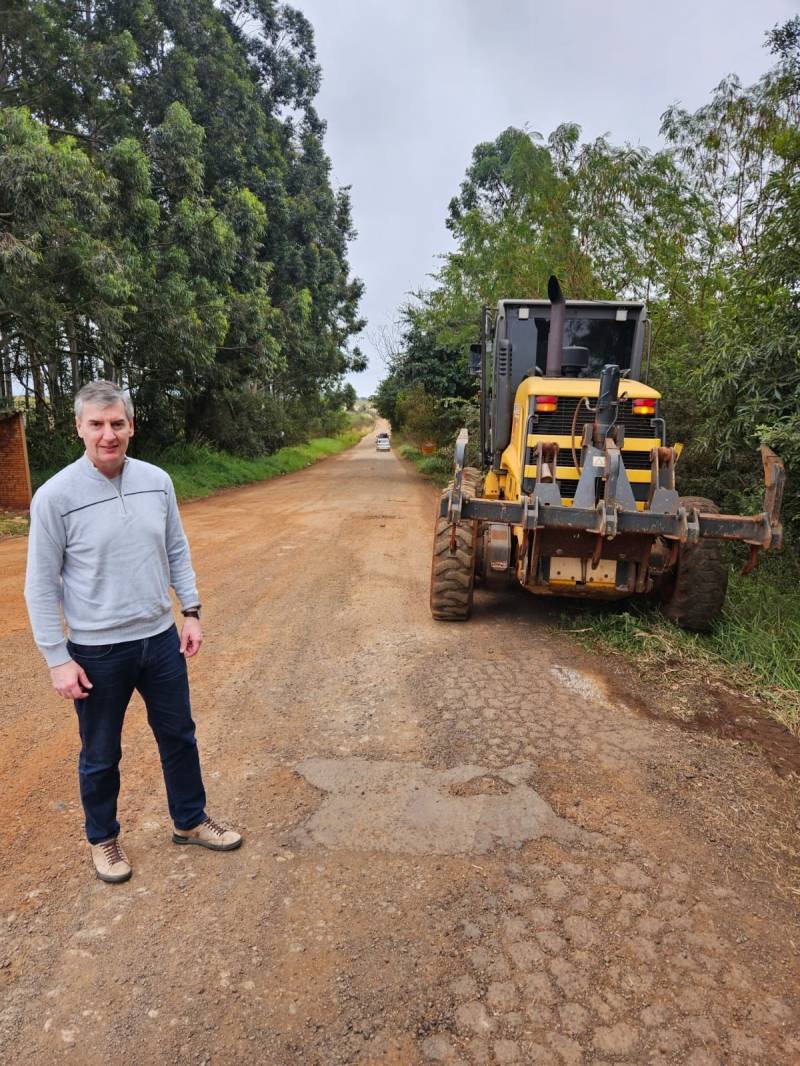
119, 490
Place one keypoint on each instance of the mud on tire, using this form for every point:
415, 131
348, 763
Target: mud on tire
694, 595
453, 573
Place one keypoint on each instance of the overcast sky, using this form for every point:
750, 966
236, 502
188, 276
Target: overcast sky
410, 87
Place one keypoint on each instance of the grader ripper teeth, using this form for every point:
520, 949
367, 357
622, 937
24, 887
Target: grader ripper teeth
608, 519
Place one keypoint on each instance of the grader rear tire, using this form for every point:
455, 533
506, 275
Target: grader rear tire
453, 572
695, 595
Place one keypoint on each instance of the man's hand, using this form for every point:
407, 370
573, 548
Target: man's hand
191, 637
70, 680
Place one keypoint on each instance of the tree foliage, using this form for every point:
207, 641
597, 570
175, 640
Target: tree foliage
167, 219
705, 229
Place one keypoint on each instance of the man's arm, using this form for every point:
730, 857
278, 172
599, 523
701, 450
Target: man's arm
46, 544
181, 575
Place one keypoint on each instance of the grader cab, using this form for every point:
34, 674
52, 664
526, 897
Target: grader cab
576, 494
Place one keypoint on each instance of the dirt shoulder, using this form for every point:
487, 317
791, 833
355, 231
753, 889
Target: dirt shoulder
464, 843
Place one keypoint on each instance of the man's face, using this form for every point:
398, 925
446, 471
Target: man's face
105, 432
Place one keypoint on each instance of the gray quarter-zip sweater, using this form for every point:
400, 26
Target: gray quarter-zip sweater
106, 556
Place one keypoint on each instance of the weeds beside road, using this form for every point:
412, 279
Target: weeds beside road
754, 648
438, 467
198, 471
13, 524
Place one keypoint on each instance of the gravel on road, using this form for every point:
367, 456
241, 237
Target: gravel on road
464, 843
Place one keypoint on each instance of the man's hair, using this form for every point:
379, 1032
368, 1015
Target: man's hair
103, 394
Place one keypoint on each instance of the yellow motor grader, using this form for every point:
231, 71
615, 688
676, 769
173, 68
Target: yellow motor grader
576, 491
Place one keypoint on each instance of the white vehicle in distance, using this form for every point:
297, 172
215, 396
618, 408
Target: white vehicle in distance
382, 443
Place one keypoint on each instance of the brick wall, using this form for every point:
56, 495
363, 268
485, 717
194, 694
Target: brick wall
15, 476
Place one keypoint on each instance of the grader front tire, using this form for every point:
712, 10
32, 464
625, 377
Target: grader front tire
696, 593
453, 571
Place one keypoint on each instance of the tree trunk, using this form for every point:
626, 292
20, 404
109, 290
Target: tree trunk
6, 392
111, 372
38, 383
74, 359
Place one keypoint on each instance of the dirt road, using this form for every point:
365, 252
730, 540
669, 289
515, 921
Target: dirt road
464, 844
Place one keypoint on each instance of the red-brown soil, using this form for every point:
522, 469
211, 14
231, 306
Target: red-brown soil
464, 843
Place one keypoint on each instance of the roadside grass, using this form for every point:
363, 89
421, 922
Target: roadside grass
13, 524
197, 470
755, 645
437, 467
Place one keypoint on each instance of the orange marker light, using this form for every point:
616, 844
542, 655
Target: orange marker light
546, 403
644, 407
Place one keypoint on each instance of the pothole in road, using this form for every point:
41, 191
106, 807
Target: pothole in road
488, 785
410, 809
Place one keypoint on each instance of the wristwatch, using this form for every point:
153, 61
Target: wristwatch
192, 612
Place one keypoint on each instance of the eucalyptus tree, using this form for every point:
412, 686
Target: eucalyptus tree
227, 273
59, 270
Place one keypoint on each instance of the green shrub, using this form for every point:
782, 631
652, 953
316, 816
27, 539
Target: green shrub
198, 470
417, 415
51, 438
242, 423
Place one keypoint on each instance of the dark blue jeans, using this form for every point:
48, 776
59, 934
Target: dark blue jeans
155, 667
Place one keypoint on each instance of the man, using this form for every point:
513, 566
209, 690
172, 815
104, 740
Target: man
106, 543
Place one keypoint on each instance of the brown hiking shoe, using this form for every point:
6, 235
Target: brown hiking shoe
209, 834
110, 861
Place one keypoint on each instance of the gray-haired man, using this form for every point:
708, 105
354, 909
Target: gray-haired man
106, 543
